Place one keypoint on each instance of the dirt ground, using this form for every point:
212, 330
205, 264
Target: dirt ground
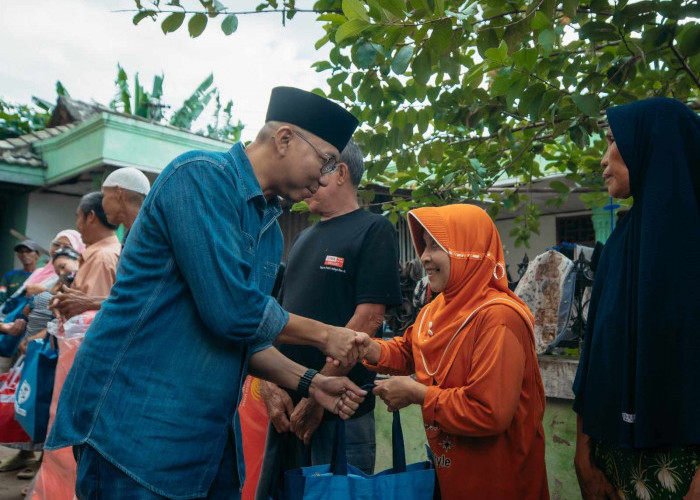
10, 486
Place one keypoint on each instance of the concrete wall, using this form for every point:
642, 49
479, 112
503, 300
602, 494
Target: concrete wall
539, 243
13, 215
48, 214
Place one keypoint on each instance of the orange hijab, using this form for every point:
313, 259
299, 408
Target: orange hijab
477, 280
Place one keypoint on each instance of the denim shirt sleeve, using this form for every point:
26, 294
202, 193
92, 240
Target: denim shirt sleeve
199, 207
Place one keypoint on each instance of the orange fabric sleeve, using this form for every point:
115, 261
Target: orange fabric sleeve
396, 357
486, 404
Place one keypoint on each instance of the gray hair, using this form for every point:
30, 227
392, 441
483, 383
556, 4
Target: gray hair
352, 157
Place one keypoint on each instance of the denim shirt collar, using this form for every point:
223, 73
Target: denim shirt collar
250, 185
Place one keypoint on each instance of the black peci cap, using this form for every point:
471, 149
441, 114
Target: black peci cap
313, 113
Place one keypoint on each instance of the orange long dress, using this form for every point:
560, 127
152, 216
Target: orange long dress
473, 346
484, 419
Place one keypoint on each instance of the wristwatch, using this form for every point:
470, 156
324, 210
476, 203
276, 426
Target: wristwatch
305, 382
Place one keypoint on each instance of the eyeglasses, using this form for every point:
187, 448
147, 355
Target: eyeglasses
330, 162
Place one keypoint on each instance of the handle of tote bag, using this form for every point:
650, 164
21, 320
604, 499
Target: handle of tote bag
398, 451
339, 461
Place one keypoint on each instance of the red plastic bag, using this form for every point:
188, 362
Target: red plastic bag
10, 430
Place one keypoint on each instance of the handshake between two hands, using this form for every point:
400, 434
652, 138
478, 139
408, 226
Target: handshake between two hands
344, 348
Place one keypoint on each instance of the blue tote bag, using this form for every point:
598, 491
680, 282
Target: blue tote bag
341, 481
33, 396
10, 343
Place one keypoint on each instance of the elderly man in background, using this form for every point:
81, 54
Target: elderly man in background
123, 192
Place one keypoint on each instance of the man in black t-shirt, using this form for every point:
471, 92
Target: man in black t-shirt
342, 271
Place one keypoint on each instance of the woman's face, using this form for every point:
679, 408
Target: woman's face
436, 263
59, 243
65, 265
616, 175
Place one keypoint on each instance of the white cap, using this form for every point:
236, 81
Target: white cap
128, 178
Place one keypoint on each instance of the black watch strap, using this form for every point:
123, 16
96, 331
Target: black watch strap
305, 383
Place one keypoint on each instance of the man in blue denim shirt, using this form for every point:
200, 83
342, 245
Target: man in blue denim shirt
150, 402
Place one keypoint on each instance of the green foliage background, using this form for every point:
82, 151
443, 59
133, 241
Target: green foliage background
456, 94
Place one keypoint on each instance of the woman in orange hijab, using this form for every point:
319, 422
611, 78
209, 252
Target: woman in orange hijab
472, 350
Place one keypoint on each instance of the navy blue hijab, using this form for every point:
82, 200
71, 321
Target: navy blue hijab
638, 382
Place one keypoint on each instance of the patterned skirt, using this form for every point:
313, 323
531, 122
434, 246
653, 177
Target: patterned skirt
648, 474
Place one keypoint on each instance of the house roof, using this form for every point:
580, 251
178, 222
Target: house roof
19, 150
88, 138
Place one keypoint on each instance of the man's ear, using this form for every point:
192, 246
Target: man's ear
343, 174
91, 217
281, 138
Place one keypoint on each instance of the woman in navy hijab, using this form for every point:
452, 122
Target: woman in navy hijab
638, 383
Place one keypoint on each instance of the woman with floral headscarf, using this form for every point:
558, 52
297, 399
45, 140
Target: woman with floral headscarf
472, 351
637, 395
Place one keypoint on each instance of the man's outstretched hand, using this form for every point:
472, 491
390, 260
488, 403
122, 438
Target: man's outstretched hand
346, 347
336, 394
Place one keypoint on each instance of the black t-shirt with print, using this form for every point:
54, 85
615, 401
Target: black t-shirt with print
332, 267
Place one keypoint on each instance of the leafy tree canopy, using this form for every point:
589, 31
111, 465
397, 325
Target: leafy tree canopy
456, 94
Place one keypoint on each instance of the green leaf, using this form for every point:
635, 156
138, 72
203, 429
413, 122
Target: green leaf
441, 36
355, 9
531, 100
401, 60
396, 7
569, 8
599, 31
365, 56
60, 89
486, 39
230, 24
421, 67
197, 24
140, 16
689, 40
526, 58
515, 35
588, 103
172, 22
540, 21
559, 187
323, 41
332, 18
546, 40
499, 54
350, 29
300, 206
439, 8
423, 121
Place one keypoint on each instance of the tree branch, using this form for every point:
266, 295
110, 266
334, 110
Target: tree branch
685, 65
226, 11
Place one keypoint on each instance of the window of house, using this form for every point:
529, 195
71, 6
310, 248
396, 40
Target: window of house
577, 229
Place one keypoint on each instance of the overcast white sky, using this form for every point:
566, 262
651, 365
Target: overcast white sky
80, 42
